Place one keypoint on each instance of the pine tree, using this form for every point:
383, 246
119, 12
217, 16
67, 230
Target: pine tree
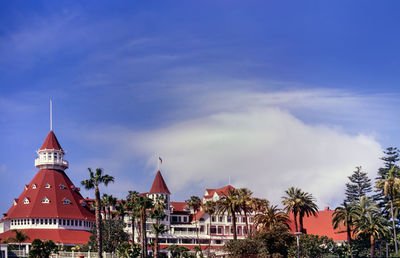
392, 155
358, 186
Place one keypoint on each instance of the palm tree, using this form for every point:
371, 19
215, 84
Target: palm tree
95, 179
307, 207
344, 215
391, 188
210, 208
258, 205
19, 238
132, 206
158, 229
143, 204
230, 204
272, 217
372, 225
292, 203
121, 209
245, 204
194, 204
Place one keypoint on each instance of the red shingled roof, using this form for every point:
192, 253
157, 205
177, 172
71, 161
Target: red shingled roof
159, 185
321, 225
179, 206
220, 191
63, 236
55, 208
51, 142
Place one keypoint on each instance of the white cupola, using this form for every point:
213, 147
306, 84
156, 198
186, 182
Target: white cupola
51, 155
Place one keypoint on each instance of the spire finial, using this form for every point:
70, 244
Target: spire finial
51, 115
159, 163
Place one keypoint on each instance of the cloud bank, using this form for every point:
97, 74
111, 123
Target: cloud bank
260, 146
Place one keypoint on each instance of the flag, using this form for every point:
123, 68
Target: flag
160, 159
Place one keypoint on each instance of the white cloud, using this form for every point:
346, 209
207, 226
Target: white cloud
259, 146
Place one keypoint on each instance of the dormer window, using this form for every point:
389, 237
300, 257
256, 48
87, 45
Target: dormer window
62, 186
66, 201
26, 201
45, 200
83, 203
34, 186
47, 185
15, 202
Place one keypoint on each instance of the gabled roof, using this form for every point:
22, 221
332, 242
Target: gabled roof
63, 236
178, 206
51, 142
220, 191
159, 185
55, 207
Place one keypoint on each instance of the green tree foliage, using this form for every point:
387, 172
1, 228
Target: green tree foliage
143, 204
41, 249
369, 223
271, 243
390, 186
19, 238
270, 218
390, 158
194, 204
230, 204
158, 228
134, 210
344, 216
178, 251
95, 179
315, 246
244, 202
127, 250
113, 235
358, 186
300, 204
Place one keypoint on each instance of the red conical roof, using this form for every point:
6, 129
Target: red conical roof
55, 186
51, 142
159, 185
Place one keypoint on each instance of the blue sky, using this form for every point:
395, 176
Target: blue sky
274, 90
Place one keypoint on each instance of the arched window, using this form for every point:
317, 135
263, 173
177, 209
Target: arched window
45, 200
47, 185
26, 200
66, 201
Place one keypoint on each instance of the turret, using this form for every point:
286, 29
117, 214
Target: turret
51, 155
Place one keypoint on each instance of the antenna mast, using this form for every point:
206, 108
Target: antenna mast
51, 115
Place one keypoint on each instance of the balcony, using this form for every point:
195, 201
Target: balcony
51, 163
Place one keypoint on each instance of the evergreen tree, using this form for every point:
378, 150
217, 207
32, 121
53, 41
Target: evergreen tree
392, 155
358, 186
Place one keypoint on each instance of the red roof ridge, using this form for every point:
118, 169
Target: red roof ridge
159, 185
51, 142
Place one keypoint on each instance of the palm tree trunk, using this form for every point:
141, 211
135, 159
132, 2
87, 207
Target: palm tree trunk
143, 233
247, 223
372, 246
295, 221
156, 245
348, 229
394, 226
301, 222
234, 225
98, 222
109, 212
209, 242
197, 232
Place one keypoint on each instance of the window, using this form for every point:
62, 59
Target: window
83, 203
50, 221
220, 218
213, 218
47, 185
45, 200
80, 223
45, 221
33, 221
229, 219
26, 200
62, 186
34, 186
66, 201
41, 221
185, 219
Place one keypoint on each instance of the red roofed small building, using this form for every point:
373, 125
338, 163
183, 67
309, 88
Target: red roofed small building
50, 206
